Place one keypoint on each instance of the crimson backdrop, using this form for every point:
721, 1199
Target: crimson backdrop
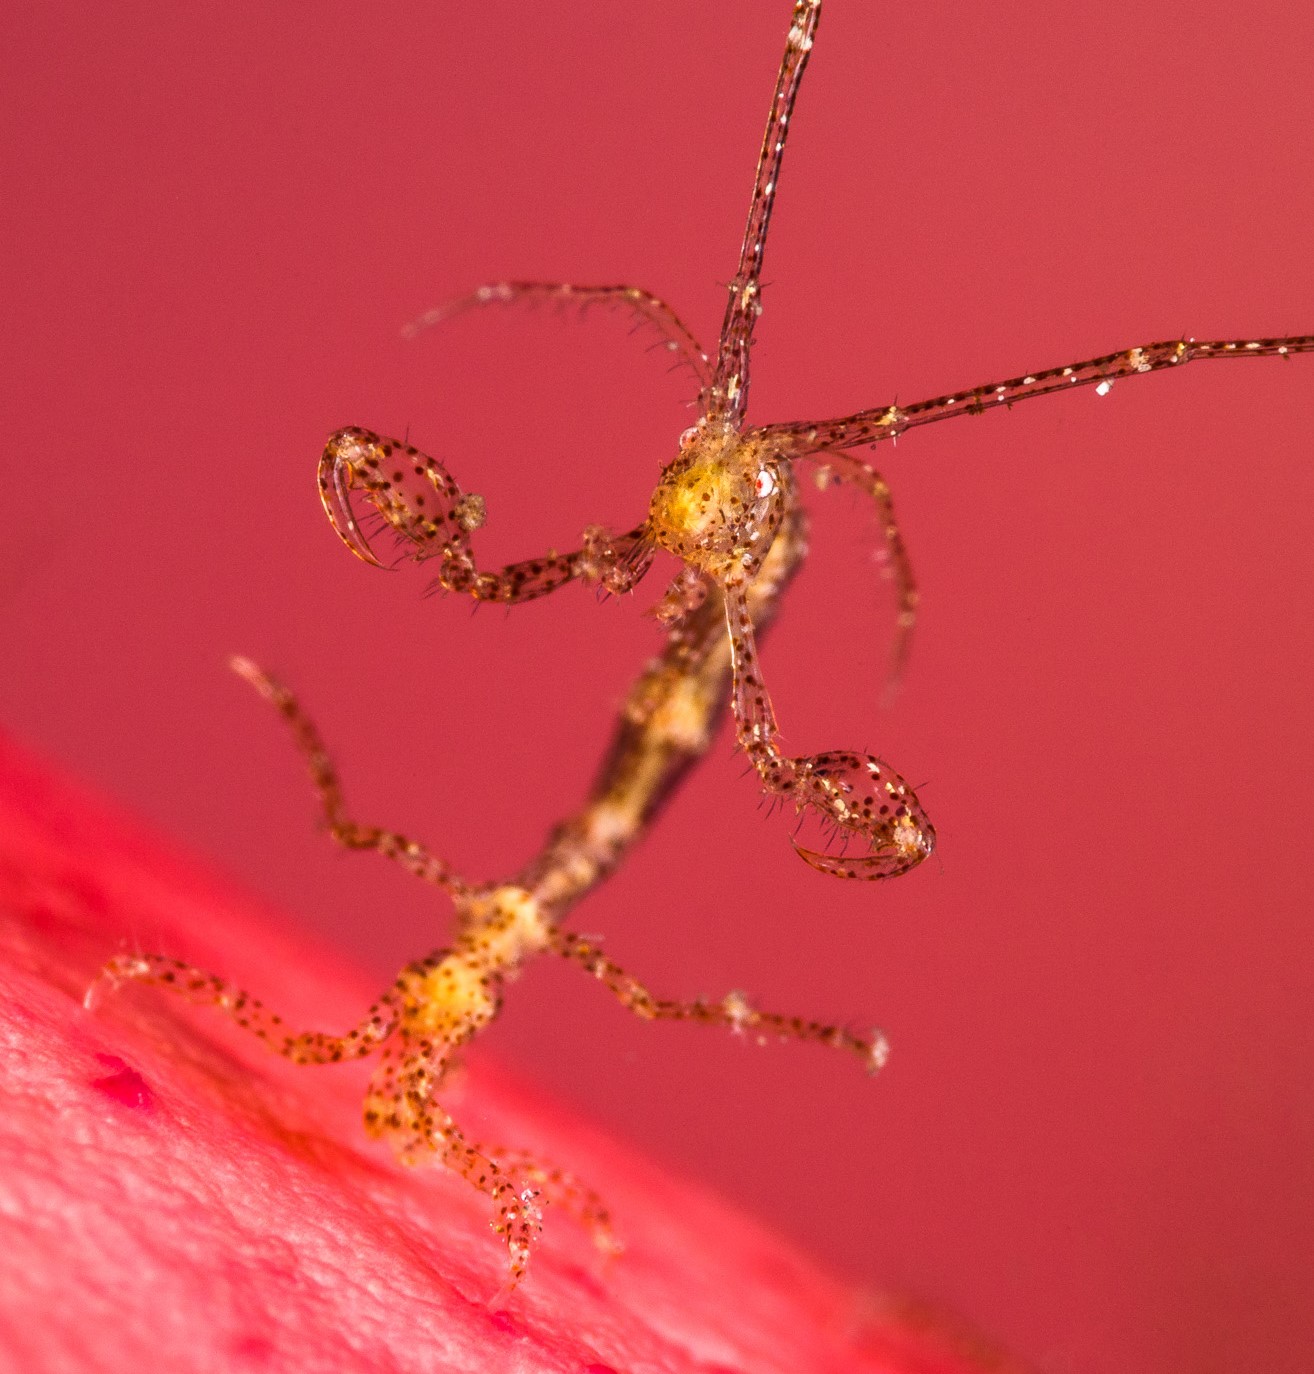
1096, 1134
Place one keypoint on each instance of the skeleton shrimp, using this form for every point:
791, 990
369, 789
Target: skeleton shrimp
726, 506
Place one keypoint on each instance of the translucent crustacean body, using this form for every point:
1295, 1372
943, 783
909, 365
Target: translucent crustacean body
726, 507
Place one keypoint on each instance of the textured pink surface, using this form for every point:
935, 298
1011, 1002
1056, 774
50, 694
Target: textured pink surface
1096, 1134
174, 1198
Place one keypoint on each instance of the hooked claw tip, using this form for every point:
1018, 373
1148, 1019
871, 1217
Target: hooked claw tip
336, 473
867, 800
887, 860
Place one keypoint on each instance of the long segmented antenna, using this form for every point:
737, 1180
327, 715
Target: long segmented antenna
888, 422
674, 336
729, 393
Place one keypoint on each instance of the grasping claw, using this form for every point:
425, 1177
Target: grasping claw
859, 795
865, 798
431, 515
414, 493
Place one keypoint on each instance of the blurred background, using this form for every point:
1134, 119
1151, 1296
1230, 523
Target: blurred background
1095, 1137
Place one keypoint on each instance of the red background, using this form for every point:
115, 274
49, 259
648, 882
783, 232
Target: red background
1096, 1134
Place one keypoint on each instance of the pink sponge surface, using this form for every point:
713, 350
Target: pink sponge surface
172, 1197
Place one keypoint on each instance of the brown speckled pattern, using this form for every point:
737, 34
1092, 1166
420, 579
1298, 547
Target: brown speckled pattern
726, 506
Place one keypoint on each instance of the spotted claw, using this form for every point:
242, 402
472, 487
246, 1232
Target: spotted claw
342, 466
413, 493
864, 798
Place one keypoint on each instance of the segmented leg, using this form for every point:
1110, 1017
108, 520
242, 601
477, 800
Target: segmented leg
733, 1010
885, 422
728, 396
434, 518
401, 1106
688, 591
401, 1101
845, 467
324, 777
861, 796
675, 337
558, 1187
302, 1047
438, 1014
